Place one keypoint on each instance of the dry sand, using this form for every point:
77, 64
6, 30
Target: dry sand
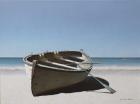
15, 89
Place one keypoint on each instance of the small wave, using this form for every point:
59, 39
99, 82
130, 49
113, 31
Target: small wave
11, 68
116, 68
22, 68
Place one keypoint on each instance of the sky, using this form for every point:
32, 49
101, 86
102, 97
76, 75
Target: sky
103, 28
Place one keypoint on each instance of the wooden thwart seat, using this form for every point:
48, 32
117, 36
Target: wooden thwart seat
53, 65
57, 60
73, 58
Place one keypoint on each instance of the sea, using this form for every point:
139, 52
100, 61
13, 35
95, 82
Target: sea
99, 63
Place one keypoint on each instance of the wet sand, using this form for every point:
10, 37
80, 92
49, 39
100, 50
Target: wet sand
15, 89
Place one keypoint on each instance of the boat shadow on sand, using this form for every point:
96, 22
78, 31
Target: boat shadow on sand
89, 84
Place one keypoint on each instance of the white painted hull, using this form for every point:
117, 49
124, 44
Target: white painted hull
28, 71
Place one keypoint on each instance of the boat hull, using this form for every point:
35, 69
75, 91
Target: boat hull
55, 70
45, 80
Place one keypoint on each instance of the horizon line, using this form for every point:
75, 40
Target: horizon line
91, 57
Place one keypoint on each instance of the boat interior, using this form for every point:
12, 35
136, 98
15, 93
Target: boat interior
72, 60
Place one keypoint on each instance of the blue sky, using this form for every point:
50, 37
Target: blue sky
103, 28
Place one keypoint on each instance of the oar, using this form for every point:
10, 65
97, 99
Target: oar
104, 85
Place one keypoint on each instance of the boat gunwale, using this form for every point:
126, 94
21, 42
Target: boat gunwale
27, 62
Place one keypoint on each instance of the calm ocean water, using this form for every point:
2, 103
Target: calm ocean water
99, 63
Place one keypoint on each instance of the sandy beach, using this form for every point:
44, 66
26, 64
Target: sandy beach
15, 89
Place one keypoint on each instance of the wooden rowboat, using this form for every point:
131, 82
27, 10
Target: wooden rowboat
55, 70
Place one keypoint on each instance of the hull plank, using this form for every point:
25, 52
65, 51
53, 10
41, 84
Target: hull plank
46, 80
